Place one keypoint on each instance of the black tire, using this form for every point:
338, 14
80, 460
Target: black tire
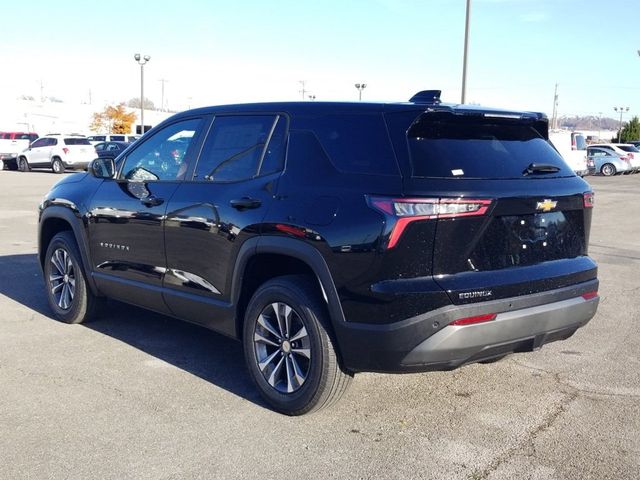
324, 380
57, 166
62, 276
23, 165
608, 169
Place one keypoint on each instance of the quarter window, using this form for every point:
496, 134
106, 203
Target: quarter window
163, 156
234, 148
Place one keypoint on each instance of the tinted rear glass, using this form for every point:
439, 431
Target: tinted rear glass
464, 149
76, 141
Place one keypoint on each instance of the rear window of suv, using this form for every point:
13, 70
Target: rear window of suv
479, 149
76, 141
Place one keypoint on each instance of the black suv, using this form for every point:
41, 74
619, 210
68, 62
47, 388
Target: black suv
333, 238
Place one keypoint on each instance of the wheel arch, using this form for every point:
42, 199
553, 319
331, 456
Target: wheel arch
55, 219
291, 257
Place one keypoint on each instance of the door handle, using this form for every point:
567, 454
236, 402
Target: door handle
245, 203
152, 201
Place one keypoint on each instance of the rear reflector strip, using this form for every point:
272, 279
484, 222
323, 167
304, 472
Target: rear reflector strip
589, 295
477, 319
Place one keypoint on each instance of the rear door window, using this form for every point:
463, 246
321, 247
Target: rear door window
235, 148
467, 148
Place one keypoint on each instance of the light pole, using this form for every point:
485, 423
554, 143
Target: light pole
360, 87
141, 61
599, 125
621, 110
466, 50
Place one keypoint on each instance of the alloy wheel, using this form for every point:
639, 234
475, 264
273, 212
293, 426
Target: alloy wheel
282, 347
62, 279
57, 166
608, 170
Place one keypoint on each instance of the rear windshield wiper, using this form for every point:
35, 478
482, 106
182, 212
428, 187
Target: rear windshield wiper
540, 168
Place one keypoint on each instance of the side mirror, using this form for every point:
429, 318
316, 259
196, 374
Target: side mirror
103, 168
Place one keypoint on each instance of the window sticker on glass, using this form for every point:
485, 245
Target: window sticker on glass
457, 172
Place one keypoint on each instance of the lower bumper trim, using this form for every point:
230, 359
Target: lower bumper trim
519, 330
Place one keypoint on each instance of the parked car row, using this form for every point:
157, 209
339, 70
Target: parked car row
59, 152
613, 158
586, 158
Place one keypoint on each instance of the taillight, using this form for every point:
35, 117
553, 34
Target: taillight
588, 199
400, 212
625, 158
65, 150
590, 295
477, 319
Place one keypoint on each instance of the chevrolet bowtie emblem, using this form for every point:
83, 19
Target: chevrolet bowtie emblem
546, 205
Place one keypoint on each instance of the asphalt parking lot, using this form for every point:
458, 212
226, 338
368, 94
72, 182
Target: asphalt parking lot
139, 395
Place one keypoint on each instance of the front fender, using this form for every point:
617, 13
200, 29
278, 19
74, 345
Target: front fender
51, 214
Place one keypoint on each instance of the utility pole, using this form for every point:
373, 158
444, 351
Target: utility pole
163, 81
554, 118
599, 125
303, 91
466, 51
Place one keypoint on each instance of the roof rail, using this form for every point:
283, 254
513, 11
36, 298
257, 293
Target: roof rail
426, 96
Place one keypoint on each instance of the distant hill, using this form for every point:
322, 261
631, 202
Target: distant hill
589, 122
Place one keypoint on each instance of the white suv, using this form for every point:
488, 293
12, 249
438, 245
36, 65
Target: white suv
57, 152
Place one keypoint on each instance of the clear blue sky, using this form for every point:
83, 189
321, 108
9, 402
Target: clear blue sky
224, 51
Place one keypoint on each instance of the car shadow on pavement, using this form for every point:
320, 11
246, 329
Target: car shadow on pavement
201, 352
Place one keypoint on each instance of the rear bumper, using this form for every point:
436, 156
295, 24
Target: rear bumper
76, 164
428, 342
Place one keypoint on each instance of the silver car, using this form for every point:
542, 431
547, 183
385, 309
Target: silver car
608, 162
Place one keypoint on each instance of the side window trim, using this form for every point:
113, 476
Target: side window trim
266, 145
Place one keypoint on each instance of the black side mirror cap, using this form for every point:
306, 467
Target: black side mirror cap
103, 168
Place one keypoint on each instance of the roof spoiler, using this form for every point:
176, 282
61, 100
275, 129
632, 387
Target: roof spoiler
427, 96
538, 121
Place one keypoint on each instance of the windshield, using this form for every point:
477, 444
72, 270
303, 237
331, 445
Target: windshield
471, 149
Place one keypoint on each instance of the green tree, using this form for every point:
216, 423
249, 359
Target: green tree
630, 131
113, 120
